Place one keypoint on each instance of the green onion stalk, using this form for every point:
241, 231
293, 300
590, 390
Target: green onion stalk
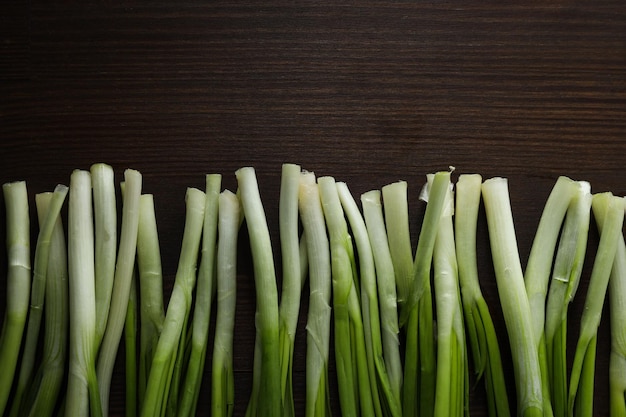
396, 211
82, 398
161, 371
45, 390
54, 203
452, 385
385, 279
130, 349
125, 264
566, 275
105, 235
222, 376
317, 401
150, 275
383, 396
617, 304
291, 282
537, 274
205, 293
481, 333
265, 399
513, 298
18, 284
608, 211
355, 393
420, 364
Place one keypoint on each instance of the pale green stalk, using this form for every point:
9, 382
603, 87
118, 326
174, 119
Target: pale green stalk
382, 394
566, 274
53, 203
205, 292
537, 274
269, 402
105, 235
121, 286
423, 376
82, 398
222, 376
608, 211
395, 205
317, 402
513, 298
452, 390
151, 310
291, 283
385, 278
355, 393
179, 307
18, 284
481, 333
51, 373
617, 304
130, 346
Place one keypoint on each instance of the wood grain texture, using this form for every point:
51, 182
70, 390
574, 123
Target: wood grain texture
369, 92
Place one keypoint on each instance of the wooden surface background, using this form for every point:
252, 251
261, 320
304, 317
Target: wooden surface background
369, 92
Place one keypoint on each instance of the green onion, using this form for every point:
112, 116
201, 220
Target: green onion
178, 310
105, 223
609, 213
45, 393
423, 376
537, 274
222, 377
205, 291
617, 302
566, 274
121, 286
82, 396
291, 283
513, 298
452, 388
317, 402
18, 284
395, 204
385, 278
267, 362
481, 332
130, 346
151, 310
38, 288
382, 395
355, 394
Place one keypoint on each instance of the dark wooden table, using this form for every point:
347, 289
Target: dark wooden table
368, 92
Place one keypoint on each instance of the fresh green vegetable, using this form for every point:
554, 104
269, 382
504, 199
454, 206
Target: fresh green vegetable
178, 310
481, 333
53, 204
452, 389
610, 208
382, 394
105, 235
317, 403
566, 274
385, 278
130, 346
205, 292
292, 283
46, 389
267, 363
355, 393
82, 398
151, 310
125, 263
223, 377
513, 298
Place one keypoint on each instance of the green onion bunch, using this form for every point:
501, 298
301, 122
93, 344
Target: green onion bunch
396, 322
